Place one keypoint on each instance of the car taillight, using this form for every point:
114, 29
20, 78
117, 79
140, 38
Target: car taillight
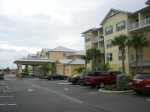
137, 80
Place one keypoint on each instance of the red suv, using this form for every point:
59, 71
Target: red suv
98, 79
141, 83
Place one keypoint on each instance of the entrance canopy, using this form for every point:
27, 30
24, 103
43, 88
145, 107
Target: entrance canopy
26, 61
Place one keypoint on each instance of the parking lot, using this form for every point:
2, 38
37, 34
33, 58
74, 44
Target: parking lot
28, 95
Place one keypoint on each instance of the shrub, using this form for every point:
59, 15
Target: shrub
122, 82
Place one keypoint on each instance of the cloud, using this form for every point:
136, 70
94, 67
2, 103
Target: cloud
29, 25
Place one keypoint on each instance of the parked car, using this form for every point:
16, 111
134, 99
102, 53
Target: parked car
56, 77
1, 76
75, 79
141, 83
78, 78
98, 79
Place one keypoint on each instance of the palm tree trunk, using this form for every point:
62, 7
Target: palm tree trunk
123, 60
85, 65
136, 61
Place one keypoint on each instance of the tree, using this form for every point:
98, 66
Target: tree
46, 68
138, 42
79, 70
121, 41
104, 67
94, 55
85, 58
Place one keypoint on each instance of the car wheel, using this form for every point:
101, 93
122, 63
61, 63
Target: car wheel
138, 92
101, 85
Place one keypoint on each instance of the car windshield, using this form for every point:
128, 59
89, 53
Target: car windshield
142, 76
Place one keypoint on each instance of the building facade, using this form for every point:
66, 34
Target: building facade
94, 39
118, 22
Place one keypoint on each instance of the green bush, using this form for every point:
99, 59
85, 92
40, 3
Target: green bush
122, 82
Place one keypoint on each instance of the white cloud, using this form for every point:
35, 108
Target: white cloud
28, 25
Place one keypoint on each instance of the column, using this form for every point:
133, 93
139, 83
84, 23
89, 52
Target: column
139, 17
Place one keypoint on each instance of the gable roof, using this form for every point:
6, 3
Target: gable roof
77, 62
92, 30
72, 61
148, 2
113, 12
63, 49
65, 61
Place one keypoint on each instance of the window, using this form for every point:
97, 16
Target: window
120, 26
109, 56
109, 30
109, 44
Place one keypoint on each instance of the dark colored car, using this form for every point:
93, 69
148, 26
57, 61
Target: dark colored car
98, 79
141, 83
1, 76
56, 77
78, 78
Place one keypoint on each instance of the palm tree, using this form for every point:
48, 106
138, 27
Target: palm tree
121, 41
138, 42
85, 58
94, 55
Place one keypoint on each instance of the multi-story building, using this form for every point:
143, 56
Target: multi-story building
139, 23
94, 39
119, 22
115, 24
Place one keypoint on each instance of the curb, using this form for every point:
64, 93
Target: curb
109, 91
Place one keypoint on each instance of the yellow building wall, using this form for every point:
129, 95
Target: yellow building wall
60, 69
70, 69
115, 63
147, 69
56, 55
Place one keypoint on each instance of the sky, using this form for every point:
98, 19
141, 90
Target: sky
26, 26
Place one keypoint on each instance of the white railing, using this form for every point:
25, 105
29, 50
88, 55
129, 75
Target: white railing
136, 25
97, 39
145, 21
133, 25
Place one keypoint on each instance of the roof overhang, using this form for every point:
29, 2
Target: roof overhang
32, 62
92, 30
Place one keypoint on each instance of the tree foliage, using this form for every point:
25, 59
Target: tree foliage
93, 55
121, 41
138, 42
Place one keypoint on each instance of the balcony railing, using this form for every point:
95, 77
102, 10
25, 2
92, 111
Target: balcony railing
146, 21
133, 25
137, 25
97, 39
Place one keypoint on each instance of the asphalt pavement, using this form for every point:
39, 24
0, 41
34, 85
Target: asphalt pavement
35, 95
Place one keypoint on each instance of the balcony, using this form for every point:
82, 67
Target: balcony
138, 25
97, 39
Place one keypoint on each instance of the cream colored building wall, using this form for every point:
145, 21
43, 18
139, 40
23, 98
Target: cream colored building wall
56, 55
70, 69
60, 69
115, 63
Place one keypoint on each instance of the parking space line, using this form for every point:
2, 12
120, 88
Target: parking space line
6, 96
11, 104
2, 104
148, 100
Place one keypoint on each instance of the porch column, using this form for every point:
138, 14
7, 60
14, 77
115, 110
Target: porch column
140, 18
98, 39
19, 70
